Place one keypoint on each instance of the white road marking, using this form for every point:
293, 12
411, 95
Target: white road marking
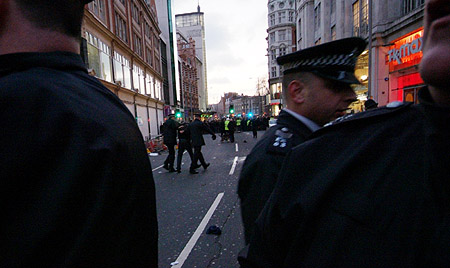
157, 168
234, 165
237, 147
191, 243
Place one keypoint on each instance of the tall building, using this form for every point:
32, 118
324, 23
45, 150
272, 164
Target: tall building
169, 54
121, 47
321, 21
388, 69
189, 86
281, 41
193, 25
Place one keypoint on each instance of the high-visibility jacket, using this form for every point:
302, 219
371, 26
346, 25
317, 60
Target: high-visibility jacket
226, 124
238, 122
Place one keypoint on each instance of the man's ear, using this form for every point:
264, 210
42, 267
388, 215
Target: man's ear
296, 91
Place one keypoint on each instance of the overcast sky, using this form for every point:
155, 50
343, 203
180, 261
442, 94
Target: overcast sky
236, 45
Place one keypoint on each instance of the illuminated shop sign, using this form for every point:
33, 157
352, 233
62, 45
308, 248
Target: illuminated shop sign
406, 51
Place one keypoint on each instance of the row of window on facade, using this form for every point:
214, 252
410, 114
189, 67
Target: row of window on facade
98, 8
114, 67
281, 5
283, 35
281, 17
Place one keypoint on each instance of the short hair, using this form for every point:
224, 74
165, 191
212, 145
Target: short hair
64, 16
305, 77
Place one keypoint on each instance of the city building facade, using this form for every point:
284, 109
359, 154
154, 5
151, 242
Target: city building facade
281, 41
387, 70
193, 25
169, 54
121, 47
396, 50
189, 79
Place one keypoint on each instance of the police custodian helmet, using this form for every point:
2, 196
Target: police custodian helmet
334, 60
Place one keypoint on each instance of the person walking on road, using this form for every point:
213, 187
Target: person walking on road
76, 180
254, 125
170, 140
231, 128
184, 143
196, 128
316, 90
371, 190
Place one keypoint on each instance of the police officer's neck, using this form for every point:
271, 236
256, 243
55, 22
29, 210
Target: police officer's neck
22, 36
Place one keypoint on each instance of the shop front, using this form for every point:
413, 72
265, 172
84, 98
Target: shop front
276, 103
403, 59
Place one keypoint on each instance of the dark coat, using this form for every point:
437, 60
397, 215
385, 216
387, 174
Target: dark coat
170, 131
260, 171
76, 181
370, 191
184, 132
197, 128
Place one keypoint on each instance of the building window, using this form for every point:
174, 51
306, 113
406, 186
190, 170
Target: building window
272, 19
333, 10
121, 28
299, 28
318, 42
364, 29
99, 57
273, 72
282, 51
333, 33
137, 44
410, 5
291, 16
355, 9
147, 29
360, 10
135, 13
149, 56
273, 53
282, 35
272, 37
122, 70
317, 17
281, 17
138, 79
98, 8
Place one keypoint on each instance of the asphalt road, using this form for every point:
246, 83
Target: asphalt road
188, 204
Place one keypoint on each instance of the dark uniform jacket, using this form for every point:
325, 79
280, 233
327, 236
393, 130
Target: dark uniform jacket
184, 133
170, 131
197, 128
260, 171
370, 191
76, 183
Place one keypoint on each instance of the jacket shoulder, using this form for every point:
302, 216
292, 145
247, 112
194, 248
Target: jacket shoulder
280, 140
387, 112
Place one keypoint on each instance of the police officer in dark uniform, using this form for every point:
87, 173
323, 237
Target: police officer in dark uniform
373, 189
76, 181
197, 128
170, 140
184, 143
316, 90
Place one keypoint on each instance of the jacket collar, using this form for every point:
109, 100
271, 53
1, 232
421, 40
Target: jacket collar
53, 60
297, 126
